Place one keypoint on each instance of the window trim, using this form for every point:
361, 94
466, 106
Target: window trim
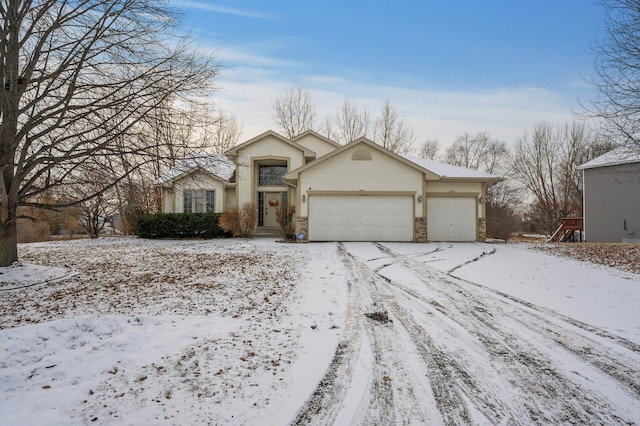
280, 179
190, 199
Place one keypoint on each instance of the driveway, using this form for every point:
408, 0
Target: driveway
421, 346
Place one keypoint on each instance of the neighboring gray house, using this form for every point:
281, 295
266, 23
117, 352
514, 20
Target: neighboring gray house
612, 196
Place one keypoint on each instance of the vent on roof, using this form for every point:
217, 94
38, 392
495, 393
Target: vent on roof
360, 155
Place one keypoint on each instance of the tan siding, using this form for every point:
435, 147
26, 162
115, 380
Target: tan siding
197, 181
230, 198
269, 147
468, 187
379, 174
316, 145
168, 200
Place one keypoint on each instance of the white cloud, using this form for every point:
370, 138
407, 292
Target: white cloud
226, 10
436, 114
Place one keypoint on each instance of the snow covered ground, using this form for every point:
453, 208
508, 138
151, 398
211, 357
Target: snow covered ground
258, 332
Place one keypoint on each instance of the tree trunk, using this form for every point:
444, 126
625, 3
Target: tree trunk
8, 243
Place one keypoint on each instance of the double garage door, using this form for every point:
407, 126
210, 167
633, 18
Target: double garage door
360, 218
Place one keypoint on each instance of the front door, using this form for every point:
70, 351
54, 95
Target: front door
272, 200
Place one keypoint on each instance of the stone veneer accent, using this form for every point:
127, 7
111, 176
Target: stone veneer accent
302, 225
482, 229
420, 230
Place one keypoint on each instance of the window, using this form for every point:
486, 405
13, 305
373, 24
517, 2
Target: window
187, 205
198, 201
260, 208
211, 201
271, 175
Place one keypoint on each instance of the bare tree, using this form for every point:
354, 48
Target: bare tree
617, 71
352, 123
77, 76
95, 210
477, 152
294, 112
545, 163
391, 131
429, 149
327, 129
224, 133
503, 209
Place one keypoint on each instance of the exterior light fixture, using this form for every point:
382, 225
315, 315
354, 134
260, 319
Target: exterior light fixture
480, 200
304, 198
419, 198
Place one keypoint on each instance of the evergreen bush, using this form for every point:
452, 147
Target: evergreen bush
179, 225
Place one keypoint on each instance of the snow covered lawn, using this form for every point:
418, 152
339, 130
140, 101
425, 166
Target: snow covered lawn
258, 332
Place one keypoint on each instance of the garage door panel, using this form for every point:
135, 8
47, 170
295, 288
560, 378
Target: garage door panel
360, 218
451, 219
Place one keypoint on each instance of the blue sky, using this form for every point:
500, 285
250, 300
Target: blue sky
449, 67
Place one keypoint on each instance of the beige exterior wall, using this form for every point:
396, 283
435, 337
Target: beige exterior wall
381, 174
167, 200
268, 149
468, 187
316, 145
229, 198
173, 199
458, 189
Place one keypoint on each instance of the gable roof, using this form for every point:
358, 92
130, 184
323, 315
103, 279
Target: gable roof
307, 152
317, 135
217, 165
450, 172
293, 175
430, 168
625, 154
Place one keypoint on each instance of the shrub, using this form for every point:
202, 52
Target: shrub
240, 221
502, 221
285, 216
179, 225
30, 231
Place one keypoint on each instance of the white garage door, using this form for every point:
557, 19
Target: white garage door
451, 219
360, 218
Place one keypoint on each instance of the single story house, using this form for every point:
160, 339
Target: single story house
354, 192
611, 200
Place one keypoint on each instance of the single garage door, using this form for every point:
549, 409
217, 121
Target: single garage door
360, 218
451, 219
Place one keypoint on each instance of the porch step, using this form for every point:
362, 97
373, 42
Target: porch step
268, 233
566, 229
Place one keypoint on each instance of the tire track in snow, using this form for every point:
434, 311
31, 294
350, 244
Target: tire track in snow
390, 395
529, 370
628, 375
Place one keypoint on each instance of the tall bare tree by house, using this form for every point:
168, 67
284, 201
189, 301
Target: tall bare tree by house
223, 133
79, 75
392, 132
98, 205
351, 123
545, 161
429, 149
617, 72
328, 129
294, 112
477, 152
